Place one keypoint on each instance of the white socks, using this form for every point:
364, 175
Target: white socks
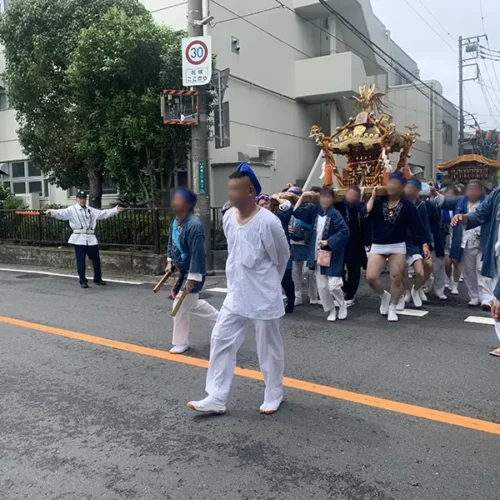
179, 349
208, 405
385, 300
392, 316
270, 408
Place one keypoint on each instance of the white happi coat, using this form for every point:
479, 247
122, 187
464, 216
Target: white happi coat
258, 253
83, 222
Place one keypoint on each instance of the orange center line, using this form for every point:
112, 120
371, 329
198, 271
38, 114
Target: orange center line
301, 385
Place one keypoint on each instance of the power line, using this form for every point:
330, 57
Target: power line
376, 48
437, 20
261, 29
430, 26
244, 16
394, 71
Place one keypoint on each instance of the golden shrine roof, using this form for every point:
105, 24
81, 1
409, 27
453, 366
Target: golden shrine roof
464, 159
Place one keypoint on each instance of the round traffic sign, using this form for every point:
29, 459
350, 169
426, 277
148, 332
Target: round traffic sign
196, 52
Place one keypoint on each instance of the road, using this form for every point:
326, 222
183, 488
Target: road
83, 418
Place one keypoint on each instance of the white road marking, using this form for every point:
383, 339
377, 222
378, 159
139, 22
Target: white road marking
417, 313
61, 275
480, 320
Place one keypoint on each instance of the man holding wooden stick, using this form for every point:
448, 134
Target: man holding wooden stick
186, 251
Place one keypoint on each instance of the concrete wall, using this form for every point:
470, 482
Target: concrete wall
64, 258
409, 105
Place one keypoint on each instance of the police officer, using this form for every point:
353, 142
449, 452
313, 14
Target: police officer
82, 220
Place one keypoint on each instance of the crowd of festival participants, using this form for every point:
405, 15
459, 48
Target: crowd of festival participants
428, 237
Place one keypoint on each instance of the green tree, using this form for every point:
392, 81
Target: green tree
119, 68
8, 201
487, 146
40, 37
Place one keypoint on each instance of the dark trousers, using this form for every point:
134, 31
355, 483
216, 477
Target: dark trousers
288, 287
351, 277
81, 252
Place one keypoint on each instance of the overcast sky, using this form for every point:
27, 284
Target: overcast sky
435, 58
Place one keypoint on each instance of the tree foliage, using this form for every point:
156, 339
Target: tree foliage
486, 144
8, 201
120, 66
85, 78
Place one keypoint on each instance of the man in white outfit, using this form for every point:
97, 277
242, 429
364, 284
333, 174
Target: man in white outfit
83, 220
258, 253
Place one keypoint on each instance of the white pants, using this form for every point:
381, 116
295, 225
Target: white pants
299, 272
191, 305
228, 335
479, 287
330, 290
439, 273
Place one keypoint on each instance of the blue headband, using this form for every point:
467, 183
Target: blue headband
189, 197
414, 182
398, 176
244, 168
295, 190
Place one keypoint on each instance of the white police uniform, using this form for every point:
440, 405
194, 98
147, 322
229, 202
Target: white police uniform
83, 221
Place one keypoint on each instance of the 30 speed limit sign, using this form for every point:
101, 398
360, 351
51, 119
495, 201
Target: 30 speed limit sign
196, 61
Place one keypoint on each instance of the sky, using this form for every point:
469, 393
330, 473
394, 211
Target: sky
438, 57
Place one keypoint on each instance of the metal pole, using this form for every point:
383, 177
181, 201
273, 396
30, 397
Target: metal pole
461, 96
199, 164
219, 98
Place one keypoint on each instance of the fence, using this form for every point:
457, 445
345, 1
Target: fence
135, 229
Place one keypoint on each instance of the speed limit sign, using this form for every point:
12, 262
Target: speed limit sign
196, 61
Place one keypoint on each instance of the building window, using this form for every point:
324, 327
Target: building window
18, 169
25, 177
36, 187
19, 187
3, 99
447, 134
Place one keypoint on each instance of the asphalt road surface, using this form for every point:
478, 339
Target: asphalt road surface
84, 418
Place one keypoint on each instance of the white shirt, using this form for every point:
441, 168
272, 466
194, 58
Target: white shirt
497, 246
257, 257
83, 222
319, 233
470, 238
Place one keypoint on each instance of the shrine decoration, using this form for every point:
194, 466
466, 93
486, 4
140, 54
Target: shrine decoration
368, 141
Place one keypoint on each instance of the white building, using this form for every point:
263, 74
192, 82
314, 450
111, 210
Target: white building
295, 66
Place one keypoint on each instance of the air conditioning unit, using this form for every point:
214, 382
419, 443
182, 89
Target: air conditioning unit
32, 200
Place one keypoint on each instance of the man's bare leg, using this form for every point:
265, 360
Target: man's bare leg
396, 268
376, 264
418, 266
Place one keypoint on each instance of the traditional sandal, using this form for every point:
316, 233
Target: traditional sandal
495, 353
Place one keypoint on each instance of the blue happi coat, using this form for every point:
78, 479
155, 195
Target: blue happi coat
302, 229
186, 248
412, 247
487, 215
436, 228
284, 215
336, 233
460, 205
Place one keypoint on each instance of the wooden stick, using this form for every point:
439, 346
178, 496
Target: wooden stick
160, 283
179, 304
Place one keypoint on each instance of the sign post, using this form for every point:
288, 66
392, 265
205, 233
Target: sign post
196, 60
197, 73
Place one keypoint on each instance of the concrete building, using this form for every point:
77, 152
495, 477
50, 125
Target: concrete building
295, 65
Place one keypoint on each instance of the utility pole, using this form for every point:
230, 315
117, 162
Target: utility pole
471, 46
199, 168
461, 96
